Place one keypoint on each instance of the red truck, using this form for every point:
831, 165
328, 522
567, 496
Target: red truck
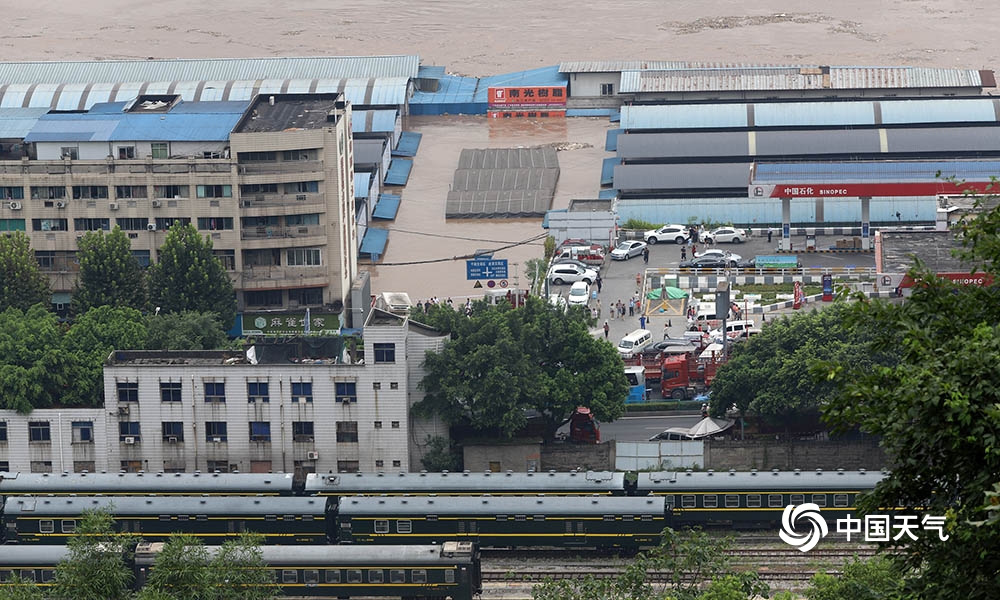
583, 428
687, 375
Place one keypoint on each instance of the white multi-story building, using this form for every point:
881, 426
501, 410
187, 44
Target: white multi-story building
304, 407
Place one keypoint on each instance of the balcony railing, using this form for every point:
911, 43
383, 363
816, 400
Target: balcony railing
282, 273
287, 166
268, 200
263, 233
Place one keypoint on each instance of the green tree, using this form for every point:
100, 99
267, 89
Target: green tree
441, 455
239, 572
503, 362
183, 571
35, 372
188, 277
877, 578
88, 343
770, 375
21, 589
22, 284
187, 330
109, 274
96, 568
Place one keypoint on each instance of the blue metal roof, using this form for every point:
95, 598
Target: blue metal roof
607, 194
374, 242
430, 72
387, 207
875, 171
608, 170
409, 141
451, 90
940, 111
17, 122
73, 128
373, 121
399, 171
813, 113
684, 116
611, 142
362, 184
544, 76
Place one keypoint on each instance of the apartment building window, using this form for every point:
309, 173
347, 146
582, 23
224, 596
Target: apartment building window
216, 431
394, 424
215, 391
170, 191
12, 225
132, 223
303, 257
307, 219
89, 224
170, 391
174, 466
48, 192
397, 463
90, 192
263, 298
227, 258
141, 257
260, 431
5, 465
215, 223
83, 432
168, 222
302, 391
10, 192
348, 466
248, 189
379, 463
377, 424
50, 224
38, 431
258, 156
302, 187
346, 391
302, 431
347, 432
298, 155
126, 152
173, 431
130, 191
46, 259
257, 391
70, 152
305, 296
261, 221
128, 391
3, 431
385, 353
128, 429
160, 149
215, 191
84, 466
41, 466
607, 89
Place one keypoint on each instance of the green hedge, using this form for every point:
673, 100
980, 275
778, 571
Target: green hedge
663, 405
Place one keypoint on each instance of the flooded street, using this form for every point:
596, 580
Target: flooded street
421, 232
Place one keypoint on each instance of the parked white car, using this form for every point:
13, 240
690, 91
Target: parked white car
667, 233
720, 254
570, 273
557, 301
579, 294
627, 250
726, 234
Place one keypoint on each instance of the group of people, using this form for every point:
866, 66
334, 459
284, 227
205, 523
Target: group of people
424, 307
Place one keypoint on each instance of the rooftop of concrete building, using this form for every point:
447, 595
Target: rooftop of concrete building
933, 248
283, 112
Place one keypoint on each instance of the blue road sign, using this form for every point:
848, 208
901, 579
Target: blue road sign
481, 268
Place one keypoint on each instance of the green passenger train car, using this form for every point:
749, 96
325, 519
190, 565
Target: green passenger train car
281, 520
142, 484
551, 483
505, 521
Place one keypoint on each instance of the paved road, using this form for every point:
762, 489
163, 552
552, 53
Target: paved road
641, 427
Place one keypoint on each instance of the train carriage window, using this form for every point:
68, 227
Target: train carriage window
647, 518
404, 526
310, 577
670, 502
307, 517
46, 526
68, 526
797, 499
381, 526
397, 576
538, 517
473, 527
237, 526
753, 500
288, 518
628, 517
569, 526
501, 518
688, 502
461, 526
48, 575
164, 517
376, 576
272, 518
28, 574
579, 527
609, 518
449, 576
732, 501
520, 518
333, 576
819, 499
840, 500
289, 576
418, 575
183, 517
201, 517
710, 501
354, 576
432, 518
774, 501
4, 575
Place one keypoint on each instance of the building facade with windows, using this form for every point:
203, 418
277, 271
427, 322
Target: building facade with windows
270, 181
53, 440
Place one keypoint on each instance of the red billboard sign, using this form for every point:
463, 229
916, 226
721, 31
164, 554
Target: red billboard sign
978, 279
869, 190
526, 113
527, 96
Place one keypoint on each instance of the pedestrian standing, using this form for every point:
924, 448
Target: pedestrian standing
666, 330
645, 255
621, 310
684, 253
694, 251
607, 329
599, 282
631, 307
642, 322
770, 232
598, 308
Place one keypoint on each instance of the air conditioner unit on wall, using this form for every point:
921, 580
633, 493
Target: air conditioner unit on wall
216, 440
113, 206
60, 204
129, 440
14, 205
172, 439
150, 226
312, 455
157, 203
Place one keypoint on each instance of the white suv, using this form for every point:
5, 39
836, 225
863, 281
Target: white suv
668, 233
570, 273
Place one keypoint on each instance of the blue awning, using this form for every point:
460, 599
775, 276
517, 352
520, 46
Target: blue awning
607, 194
616, 116
362, 183
374, 242
388, 205
409, 141
608, 170
399, 171
611, 144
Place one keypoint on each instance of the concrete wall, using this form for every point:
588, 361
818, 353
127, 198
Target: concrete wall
723, 455
519, 457
636, 456
567, 457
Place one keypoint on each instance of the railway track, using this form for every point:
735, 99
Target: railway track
539, 574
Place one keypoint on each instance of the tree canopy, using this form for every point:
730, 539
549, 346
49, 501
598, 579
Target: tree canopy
109, 274
22, 284
96, 568
187, 330
503, 362
34, 370
189, 277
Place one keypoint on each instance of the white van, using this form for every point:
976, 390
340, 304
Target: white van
735, 329
635, 342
